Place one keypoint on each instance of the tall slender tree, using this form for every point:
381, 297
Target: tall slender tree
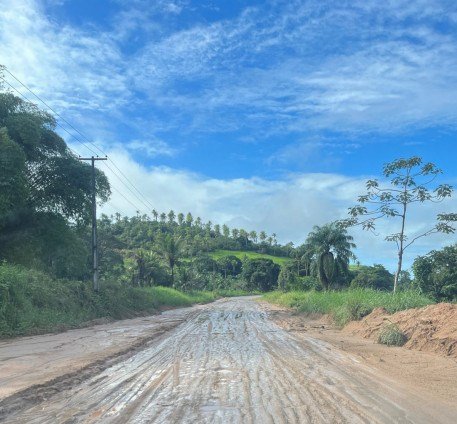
411, 183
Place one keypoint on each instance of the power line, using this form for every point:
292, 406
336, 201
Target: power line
57, 123
79, 132
145, 202
49, 107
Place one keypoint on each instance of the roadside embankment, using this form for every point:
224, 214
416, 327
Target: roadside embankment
367, 313
31, 302
431, 329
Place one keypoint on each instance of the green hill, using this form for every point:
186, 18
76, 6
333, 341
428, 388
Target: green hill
251, 255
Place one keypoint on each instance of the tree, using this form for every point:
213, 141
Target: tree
435, 274
260, 274
180, 218
226, 231
253, 236
410, 184
331, 246
163, 217
262, 236
43, 187
244, 235
235, 233
189, 219
171, 250
374, 277
171, 217
155, 214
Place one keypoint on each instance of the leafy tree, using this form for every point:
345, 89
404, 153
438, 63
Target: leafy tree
253, 236
45, 190
171, 250
226, 231
155, 214
13, 182
373, 277
331, 246
435, 274
163, 217
260, 274
180, 218
411, 183
229, 265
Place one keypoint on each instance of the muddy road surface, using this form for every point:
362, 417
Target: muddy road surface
226, 362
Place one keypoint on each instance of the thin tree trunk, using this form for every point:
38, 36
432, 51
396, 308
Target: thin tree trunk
400, 250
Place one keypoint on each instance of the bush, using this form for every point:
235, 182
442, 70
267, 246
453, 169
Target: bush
436, 273
391, 335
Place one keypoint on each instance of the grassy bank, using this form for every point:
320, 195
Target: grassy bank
31, 302
240, 254
348, 305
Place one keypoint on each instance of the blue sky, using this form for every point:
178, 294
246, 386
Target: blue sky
268, 115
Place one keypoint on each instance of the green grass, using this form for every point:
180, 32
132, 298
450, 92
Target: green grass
32, 302
391, 335
348, 305
251, 255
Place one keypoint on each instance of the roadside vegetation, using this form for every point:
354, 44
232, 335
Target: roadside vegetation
348, 305
31, 302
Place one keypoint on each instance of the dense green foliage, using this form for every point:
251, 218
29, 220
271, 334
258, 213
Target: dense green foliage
436, 273
373, 277
32, 302
348, 305
43, 187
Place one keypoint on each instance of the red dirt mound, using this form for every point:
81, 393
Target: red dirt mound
432, 328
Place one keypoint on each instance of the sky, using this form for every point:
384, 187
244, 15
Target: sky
266, 115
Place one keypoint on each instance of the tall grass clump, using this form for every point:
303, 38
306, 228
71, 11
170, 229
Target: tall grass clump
348, 305
391, 335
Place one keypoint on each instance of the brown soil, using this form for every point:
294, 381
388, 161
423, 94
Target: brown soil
430, 329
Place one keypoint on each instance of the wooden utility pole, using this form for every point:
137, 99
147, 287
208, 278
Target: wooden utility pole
94, 223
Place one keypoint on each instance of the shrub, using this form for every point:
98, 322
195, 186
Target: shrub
391, 335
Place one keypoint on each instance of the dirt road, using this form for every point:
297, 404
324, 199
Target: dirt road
226, 362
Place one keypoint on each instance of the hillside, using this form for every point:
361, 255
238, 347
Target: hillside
240, 254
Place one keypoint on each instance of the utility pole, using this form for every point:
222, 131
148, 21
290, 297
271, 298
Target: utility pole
94, 223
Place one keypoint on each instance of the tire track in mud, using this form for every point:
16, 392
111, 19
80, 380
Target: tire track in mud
227, 363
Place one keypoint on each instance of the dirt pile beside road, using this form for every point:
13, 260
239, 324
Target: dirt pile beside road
432, 328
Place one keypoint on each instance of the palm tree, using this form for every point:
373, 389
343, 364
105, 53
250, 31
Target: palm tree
155, 214
171, 217
331, 246
171, 249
